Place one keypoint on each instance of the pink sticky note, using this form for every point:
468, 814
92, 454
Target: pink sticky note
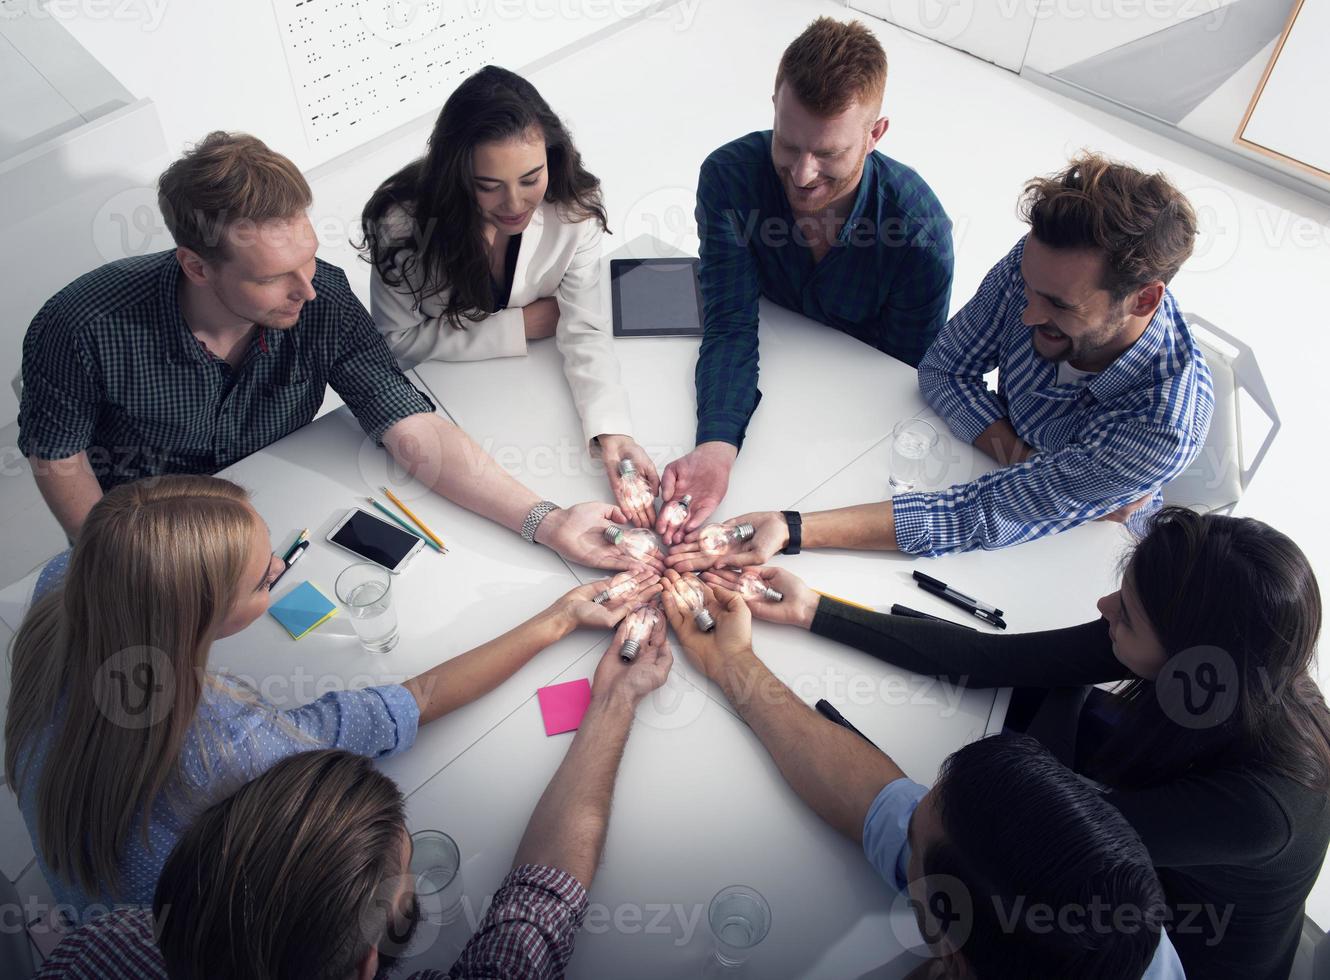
563, 705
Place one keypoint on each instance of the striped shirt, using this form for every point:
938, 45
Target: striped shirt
1101, 442
886, 280
527, 933
111, 368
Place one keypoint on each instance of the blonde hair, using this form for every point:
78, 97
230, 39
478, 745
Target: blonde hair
155, 570
228, 178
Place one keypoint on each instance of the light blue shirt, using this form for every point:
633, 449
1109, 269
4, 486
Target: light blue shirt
887, 847
1101, 443
235, 737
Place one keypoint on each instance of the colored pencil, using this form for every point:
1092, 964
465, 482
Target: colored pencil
404, 525
414, 519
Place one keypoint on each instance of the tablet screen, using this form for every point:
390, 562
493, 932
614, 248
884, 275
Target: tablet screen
656, 298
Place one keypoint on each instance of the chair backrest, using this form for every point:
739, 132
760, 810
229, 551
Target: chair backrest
1221, 473
15, 949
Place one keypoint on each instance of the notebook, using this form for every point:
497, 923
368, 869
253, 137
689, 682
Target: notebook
302, 609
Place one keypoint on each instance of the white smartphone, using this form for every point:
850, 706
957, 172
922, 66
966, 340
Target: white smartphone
374, 539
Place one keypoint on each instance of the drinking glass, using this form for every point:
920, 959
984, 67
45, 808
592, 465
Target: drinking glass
739, 918
366, 591
912, 441
436, 864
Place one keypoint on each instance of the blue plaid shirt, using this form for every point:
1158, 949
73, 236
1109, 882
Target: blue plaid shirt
886, 280
111, 368
1101, 443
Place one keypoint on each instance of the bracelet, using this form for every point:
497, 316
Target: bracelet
795, 522
533, 520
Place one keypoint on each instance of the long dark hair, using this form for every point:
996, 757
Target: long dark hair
444, 244
1236, 598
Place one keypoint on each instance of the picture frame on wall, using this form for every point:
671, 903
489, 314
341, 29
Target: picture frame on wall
1284, 119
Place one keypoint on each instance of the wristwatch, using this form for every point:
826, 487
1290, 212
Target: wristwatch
532, 521
795, 522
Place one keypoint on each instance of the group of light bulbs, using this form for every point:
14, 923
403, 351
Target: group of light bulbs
640, 544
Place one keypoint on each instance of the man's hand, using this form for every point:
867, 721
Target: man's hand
578, 534
797, 608
632, 682
651, 597
1124, 512
770, 535
613, 448
578, 607
704, 473
541, 318
732, 636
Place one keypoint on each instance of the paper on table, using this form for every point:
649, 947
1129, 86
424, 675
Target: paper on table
563, 705
302, 609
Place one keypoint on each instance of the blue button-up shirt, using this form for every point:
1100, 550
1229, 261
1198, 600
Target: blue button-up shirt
887, 847
886, 280
1101, 442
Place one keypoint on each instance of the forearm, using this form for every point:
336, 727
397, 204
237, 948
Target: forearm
837, 773
453, 465
471, 675
567, 828
69, 488
867, 527
1001, 442
1074, 656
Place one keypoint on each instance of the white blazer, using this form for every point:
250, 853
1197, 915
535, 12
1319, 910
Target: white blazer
558, 258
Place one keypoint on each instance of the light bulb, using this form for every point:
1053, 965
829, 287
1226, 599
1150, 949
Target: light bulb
720, 539
637, 627
626, 585
636, 542
753, 587
690, 594
677, 512
636, 494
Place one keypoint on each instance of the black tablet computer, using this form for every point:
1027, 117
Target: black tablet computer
656, 297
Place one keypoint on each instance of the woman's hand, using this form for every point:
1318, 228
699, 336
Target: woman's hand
614, 448
579, 608
541, 318
797, 607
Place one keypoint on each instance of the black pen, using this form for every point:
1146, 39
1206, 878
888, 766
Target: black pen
827, 710
989, 614
293, 555
899, 610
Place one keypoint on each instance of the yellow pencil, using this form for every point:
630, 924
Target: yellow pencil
414, 519
848, 602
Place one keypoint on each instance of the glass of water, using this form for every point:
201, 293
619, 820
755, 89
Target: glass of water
436, 864
739, 918
366, 591
912, 442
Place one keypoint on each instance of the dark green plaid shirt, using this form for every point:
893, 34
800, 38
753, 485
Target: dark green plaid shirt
110, 367
886, 281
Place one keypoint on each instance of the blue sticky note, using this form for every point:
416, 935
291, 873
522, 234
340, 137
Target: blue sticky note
302, 609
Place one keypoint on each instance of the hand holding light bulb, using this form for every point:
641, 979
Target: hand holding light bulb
579, 609
633, 478
626, 585
644, 626
750, 539
674, 515
730, 634
638, 544
797, 607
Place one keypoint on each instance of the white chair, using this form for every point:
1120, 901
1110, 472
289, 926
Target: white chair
1220, 474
